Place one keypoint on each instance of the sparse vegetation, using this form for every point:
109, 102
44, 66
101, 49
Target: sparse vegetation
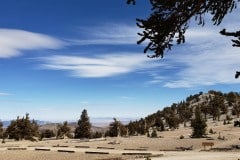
23, 128
63, 130
97, 134
212, 104
47, 133
154, 134
116, 128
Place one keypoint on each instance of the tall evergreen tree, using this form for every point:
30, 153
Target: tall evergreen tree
171, 117
132, 128
159, 123
204, 109
1, 130
236, 109
184, 112
231, 98
216, 106
114, 128
198, 124
83, 129
142, 127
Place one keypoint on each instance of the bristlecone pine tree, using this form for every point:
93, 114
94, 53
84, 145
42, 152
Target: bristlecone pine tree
198, 125
23, 128
1, 130
84, 126
116, 128
47, 133
63, 130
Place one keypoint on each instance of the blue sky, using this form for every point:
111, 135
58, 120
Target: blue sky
58, 57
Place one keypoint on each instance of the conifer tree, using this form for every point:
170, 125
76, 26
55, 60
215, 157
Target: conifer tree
142, 127
198, 124
154, 134
159, 123
236, 109
114, 128
47, 133
83, 129
63, 130
1, 130
132, 128
22, 128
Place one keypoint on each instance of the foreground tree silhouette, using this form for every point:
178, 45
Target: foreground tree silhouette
84, 126
169, 20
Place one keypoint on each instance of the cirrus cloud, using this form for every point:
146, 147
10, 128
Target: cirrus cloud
13, 42
108, 34
207, 59
100, 66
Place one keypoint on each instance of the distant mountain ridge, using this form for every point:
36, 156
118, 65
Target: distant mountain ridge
6, 123
96, 121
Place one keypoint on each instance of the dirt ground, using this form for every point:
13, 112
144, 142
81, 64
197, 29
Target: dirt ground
162, 148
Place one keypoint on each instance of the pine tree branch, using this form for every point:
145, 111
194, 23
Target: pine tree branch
237, 74
233, 34
236, 43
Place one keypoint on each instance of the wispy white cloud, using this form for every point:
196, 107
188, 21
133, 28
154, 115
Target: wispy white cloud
207, 69
108, 34
5, 94
207, 59
100, 66
13, 42
156, 78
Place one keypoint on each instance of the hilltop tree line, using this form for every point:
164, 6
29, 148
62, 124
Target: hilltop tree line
198, 107
192, 112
